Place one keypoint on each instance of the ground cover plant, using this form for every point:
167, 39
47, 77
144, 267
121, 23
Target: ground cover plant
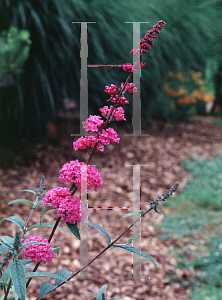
196, 224
72, 208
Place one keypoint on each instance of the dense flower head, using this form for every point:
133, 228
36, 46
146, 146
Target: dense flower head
38, 252
104, 137
117, 114
129, 88
86, 142
70, 208
111, 90
108, 136
93, 123
72, 171
119, 100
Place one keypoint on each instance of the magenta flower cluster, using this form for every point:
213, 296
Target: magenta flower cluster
38, 252
74, 171
70, 208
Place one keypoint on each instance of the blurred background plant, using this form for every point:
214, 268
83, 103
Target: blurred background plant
51, 72
14, 51
187, 94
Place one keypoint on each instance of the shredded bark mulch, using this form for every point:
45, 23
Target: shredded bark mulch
160, 154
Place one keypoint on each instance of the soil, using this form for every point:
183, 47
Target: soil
160, 154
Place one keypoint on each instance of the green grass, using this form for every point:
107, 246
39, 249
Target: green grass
195, 219
218, 122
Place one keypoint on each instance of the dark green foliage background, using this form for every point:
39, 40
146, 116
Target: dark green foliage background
51, 72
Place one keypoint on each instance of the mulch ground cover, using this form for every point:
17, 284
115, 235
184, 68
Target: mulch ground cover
161, 153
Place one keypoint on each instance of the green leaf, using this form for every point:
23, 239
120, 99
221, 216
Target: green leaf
102, 290
26, 261
72, 187
3, 283
18, 278
44, 274
3, 249
7, 239
39, 203
132, 238
45, 288
64, 273
30, 191
18, 221
21, 200
43, 225
136, 251
101, 229
115, 298
31, 243
91, 295
74, 229
45, 209
57, 249
27, 268
130, 214
5, 275
155, 209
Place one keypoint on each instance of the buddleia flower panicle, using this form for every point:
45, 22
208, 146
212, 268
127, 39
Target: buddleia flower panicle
38, 252
70, 207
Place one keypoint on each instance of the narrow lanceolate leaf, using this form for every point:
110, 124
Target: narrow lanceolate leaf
40, 202
91, 295
43, 225
136, 251
18, 221
44, 274
74, 229
130, 214
18, 278
31, 243
45, 209
155, 209
101, 229
3, 249
6, 274
45, 288
73, 187
20, 200
64, 273
132, 238
30, 191
7, 239
57, 249
102, 290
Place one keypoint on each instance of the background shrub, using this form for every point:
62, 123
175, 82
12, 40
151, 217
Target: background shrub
51, 72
